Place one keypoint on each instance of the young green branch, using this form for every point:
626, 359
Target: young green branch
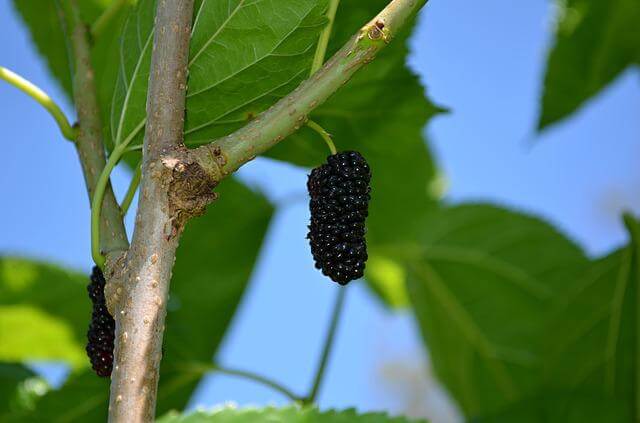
223, 156
41, 97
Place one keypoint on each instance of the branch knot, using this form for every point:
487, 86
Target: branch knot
190, 188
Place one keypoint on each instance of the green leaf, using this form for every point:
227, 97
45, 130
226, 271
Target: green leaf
44, 312
19, 389
83, 398
595, 41
574, 406
244, 56
483, 284
593, 337
382, 113
215, 259
291, 414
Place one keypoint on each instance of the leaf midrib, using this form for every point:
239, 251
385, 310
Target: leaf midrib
469, 329
125, 104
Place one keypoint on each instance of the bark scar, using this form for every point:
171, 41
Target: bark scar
190, 190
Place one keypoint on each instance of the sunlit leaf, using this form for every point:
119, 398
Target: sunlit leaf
281, 415
44, 312
244, 56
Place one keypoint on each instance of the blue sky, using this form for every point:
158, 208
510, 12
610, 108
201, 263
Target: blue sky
484, 60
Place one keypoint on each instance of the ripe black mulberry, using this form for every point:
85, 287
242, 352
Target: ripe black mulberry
340, 195
101, 333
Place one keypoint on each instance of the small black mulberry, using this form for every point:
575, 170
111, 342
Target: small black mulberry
101, 333
340, 193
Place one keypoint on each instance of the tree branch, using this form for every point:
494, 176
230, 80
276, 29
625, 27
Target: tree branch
167, 199
89, 140
223, 156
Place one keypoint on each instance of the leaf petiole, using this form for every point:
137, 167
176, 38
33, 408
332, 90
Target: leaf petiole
43, 99
131, 191
324, 134
325, 35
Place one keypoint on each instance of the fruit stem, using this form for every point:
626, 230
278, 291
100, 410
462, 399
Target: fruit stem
324, 134
328, 346
323, 41
43, 99
131, 191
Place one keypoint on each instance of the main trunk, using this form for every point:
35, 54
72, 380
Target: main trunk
145, 272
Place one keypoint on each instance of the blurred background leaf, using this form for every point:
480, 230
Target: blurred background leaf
19, 389
575, 406
595, 41
592, 340
482, 284
44, 312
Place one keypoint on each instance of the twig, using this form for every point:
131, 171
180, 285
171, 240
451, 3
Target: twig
41, 97
227, 154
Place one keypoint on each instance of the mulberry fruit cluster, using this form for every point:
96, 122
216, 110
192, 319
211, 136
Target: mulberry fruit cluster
101, 333
340, 194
